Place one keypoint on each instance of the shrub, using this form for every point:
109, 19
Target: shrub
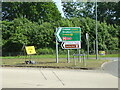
45, 51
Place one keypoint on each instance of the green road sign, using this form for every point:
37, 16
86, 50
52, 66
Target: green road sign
68, 34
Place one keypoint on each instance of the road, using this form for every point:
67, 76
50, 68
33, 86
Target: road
107, 58
56, 78
112, 68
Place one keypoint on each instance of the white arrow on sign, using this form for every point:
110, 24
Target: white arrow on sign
57, 34
63, 45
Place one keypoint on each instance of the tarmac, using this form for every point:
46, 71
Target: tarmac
56, 78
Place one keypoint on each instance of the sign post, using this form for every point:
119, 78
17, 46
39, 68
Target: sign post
79, 57
56, 49
68, 56
96, 33
94, 46
87, 38
70, 38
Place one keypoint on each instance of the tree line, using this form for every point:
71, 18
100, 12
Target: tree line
106, 11
26, 23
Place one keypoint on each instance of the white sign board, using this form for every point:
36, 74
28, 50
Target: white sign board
71, 45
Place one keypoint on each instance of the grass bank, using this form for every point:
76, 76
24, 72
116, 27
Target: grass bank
51, 62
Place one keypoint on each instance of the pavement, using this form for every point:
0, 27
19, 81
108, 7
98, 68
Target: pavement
56, 78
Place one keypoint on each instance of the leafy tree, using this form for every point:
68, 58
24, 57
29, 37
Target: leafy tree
106, 11
109, 12
78, 9
13, 35
34, 11
22, 31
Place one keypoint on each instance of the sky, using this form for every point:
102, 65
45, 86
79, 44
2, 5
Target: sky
59, 6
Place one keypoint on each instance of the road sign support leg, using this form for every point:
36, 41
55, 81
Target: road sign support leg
79, 57
84, 62
74, 61
68, 56
56, 50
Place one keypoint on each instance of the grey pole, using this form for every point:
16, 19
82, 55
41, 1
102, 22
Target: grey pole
88, 48
74, 61
96, 34
56, 50
87, 38
94, 46
84, 61
68, 56
79, 57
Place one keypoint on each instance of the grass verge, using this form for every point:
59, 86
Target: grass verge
51, 62
53, 56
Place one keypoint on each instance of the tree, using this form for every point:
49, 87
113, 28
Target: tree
78, 9
22, 31
34, 11
13, 35
109, 12
106, 11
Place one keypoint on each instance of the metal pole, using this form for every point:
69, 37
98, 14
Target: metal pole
94, 46
74, 61
87, 38
68, 56
30, 57
88, 48
96, 34
56, 50
79, 57
84, 62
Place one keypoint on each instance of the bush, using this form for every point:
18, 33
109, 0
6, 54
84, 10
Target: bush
45, 51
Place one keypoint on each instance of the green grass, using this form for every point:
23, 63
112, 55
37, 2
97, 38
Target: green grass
50, 62
107, 55
53, 56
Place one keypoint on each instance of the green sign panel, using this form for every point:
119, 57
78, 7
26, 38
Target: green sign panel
68, 34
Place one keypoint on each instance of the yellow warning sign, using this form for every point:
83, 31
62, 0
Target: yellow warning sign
102, 52
30, 49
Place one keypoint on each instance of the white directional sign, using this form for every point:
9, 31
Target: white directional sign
71, 45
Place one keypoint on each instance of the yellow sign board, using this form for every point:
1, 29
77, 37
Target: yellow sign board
30, 50
102, 52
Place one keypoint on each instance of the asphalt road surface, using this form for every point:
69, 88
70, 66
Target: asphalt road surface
112, 68
107, 58
56, 78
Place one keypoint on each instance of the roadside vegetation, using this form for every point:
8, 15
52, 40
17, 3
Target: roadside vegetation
54, 56
35, 23
51, 63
